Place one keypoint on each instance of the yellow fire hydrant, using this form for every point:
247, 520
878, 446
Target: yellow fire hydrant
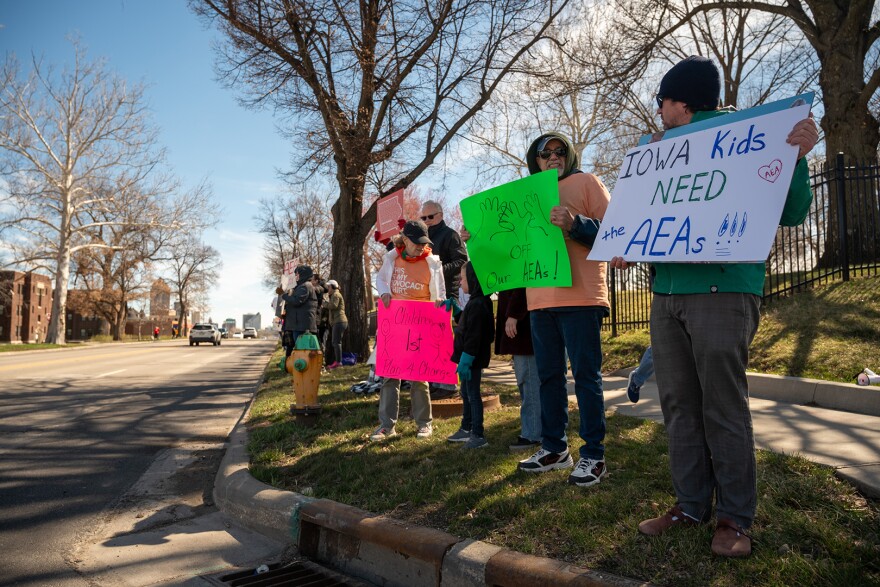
304, 364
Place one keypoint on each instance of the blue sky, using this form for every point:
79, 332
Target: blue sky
206, 132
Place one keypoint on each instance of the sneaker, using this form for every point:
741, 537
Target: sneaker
381, 433
588, 472
632, 390
674, 517
731, 540
334, 365
425, 431
523, 443
461, 435
544, 460
476, 442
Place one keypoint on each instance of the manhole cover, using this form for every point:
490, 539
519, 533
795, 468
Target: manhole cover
299, 574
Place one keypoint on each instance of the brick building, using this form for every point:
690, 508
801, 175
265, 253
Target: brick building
25, 306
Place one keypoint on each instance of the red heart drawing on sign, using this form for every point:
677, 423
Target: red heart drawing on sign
771, 172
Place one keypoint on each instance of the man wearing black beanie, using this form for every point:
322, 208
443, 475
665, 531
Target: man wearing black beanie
703, 318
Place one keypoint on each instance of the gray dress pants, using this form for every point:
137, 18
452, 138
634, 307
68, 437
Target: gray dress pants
701, 350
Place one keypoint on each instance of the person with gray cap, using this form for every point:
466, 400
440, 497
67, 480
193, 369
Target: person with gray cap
335, 305
703, 318
409, 272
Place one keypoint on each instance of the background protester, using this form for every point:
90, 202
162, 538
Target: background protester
335, 307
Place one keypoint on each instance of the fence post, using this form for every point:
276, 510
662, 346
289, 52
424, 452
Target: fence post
840, 170
613, 303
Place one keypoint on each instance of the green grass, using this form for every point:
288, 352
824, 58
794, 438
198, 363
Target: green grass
13, 348
810, 529
830, 332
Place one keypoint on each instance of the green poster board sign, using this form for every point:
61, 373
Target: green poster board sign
512, 242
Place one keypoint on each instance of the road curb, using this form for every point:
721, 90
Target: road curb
846, 397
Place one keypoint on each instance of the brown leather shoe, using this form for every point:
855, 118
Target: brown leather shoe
674, 517
731, 540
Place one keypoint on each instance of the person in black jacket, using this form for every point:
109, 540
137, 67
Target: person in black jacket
301, 308
472, 348
447, 245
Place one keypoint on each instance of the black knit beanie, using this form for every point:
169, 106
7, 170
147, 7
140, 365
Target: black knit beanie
694, 81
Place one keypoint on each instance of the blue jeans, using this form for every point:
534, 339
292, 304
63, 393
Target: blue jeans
645, 369
472, 408
526, 370
576, 330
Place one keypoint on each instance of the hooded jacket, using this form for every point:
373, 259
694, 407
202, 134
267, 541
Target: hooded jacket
301, 304
583, 194
476, 325
695, 278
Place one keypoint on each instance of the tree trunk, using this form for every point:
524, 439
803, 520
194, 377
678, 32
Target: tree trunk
57, 333
848, 126
348, 263
118, 326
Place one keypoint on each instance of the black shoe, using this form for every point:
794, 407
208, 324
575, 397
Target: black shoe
523, 443
632, 390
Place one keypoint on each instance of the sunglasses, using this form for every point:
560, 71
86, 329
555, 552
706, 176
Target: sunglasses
558, 151
659, 99
429, 216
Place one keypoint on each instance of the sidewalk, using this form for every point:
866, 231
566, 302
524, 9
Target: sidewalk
390, 552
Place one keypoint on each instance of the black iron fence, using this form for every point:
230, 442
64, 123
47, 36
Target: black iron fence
840, 238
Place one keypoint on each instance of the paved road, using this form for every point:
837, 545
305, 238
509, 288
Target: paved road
79, 427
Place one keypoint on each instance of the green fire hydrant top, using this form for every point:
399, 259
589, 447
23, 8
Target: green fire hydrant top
307, 342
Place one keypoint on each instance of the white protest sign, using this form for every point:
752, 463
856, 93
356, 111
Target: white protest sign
287, 278
715, 195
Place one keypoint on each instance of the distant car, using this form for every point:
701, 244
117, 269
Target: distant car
204, 333
236, 334
223, 332
249, 332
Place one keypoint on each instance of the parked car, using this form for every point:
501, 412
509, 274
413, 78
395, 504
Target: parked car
236, 334
223, 332
204, 333
249, 332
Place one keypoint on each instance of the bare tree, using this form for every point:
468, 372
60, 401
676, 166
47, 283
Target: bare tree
69, 145
137, 231
299, 227
193, 268
372, 80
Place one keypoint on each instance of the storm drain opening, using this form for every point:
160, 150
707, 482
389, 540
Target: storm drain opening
298, 574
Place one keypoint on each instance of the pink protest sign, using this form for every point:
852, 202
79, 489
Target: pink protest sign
414, 342
389, 212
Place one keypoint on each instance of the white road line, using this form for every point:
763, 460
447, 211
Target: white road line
108, 373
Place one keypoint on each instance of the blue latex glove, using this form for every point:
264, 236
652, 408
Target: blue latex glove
464, 366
